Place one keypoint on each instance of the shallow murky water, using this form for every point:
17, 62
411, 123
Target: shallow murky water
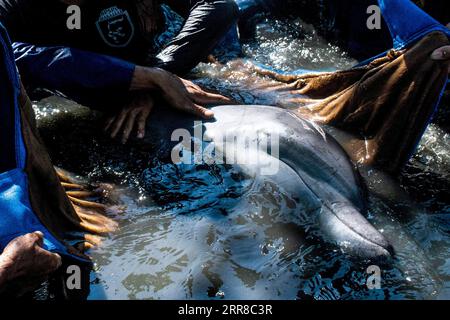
211, 232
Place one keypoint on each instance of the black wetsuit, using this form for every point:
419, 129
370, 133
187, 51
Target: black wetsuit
111, 27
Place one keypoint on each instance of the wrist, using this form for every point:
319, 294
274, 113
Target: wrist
146, 78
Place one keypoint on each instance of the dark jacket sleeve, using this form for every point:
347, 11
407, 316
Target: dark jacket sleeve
86, 77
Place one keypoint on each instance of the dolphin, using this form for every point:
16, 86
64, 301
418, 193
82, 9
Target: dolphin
309, 163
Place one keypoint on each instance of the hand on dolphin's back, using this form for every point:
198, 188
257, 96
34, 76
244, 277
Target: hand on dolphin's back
179, 93
133, 116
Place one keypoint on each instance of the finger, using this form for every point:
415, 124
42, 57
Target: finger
141, 122
49, 261
128, 127
55, 261
188, 83
194, 86
115, 127
58, 260
203, 97
39, 238
201, 111
442, 53
39, 234
108, 123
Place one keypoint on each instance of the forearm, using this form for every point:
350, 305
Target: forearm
86, 77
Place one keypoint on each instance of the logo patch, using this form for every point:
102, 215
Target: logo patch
115, 27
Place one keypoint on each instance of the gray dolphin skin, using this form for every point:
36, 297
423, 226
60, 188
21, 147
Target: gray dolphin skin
295, 154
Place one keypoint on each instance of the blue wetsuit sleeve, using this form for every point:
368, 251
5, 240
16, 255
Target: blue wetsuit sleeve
81, 75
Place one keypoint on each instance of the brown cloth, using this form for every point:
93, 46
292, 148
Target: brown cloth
387, 104
48, 198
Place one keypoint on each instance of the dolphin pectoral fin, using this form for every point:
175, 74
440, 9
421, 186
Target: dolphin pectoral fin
345, 225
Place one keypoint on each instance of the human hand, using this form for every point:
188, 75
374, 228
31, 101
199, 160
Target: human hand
181, 94
134, 115
25, 259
